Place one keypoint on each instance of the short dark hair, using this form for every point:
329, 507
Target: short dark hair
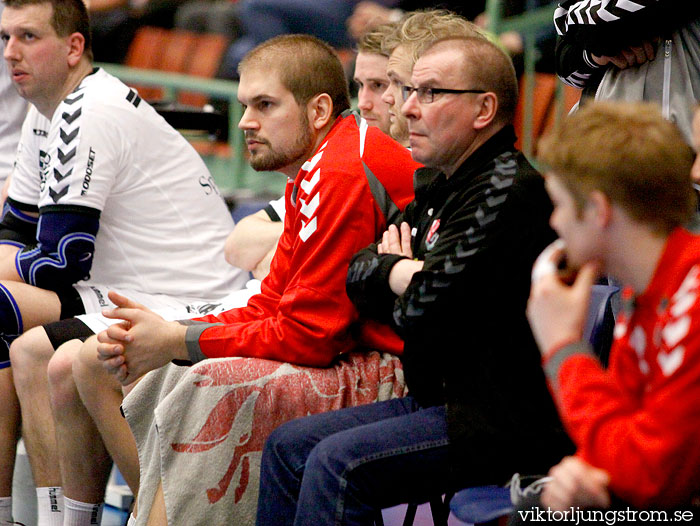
307, 67
68, 17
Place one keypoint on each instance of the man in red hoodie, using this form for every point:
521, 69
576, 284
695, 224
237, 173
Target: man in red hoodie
618, 176
288, 352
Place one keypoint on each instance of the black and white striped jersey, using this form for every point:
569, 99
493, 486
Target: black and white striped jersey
107, 154
605, 27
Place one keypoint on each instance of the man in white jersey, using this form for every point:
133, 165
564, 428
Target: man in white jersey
104, 195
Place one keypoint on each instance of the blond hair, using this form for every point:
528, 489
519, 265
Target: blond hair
372, 41
629, 152
418, 29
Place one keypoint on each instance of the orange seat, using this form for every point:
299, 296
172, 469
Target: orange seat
544, 106
176, 51
146, 48
543, 99
204, 61
146, 52
571, 97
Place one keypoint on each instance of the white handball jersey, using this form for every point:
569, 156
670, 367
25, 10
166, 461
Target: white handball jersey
13, 109
162, 224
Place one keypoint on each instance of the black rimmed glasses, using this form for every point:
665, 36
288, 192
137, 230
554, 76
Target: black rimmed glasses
427, 95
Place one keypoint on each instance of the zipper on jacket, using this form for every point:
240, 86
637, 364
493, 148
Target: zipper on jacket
666, 93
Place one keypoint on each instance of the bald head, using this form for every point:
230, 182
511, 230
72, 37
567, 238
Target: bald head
488, 68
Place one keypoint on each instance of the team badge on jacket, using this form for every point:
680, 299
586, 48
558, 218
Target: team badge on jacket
433, 235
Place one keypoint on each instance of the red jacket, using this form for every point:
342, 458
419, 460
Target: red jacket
334, 208
640, 420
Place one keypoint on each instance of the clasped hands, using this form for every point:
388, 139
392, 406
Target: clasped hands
141, 342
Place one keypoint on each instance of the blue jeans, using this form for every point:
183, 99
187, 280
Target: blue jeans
341, 467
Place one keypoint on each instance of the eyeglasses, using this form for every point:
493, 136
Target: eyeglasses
427, 95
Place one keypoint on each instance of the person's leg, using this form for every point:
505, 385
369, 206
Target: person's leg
351, 475
9, 435
324, 19
21, 307
9, 430
257, 26
101, 395
288, 447
8, 253
262, 20
348, 464
84, 461
30, 357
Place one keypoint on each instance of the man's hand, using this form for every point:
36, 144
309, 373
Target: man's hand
555, 310
395, 241
629, 56
141, 343
576, 483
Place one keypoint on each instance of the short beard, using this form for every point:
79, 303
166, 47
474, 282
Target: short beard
399, 130
272, 160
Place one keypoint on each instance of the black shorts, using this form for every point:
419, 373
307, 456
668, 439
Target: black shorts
60, 332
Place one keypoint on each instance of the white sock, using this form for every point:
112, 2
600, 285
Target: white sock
82, 513
132, 520
6, 510
49, 506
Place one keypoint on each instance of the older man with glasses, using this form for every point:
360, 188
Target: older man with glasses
452, 276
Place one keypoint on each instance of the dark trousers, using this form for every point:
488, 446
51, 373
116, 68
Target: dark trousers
341, 467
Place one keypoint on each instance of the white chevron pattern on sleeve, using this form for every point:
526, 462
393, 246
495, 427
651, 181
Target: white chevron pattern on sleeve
592, 12
309, 209
308, 185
